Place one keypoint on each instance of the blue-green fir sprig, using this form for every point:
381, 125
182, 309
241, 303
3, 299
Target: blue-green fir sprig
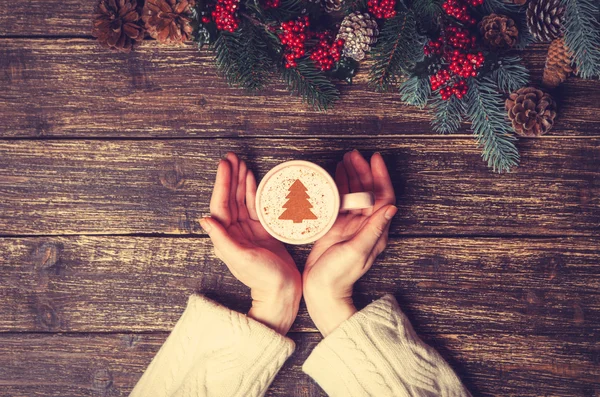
582, 35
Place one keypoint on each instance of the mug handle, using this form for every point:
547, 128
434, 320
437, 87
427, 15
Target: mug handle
357, 201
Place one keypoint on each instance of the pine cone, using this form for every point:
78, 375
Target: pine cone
498, 31
117, 24
169, 21
558, 64
544, 19
531, 111
359, 32
332, 5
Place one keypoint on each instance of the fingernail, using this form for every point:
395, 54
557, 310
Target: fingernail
379, 153
390, 212
205, 225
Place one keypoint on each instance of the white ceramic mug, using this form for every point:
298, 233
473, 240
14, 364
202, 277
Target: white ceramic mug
297, 202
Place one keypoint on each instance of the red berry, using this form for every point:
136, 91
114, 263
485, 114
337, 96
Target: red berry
382, 9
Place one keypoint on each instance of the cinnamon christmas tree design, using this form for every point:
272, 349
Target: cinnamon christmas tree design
297, 208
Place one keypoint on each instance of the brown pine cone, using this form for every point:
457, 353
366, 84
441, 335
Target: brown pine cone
531, 111
544, 19
498, 31
558, 64
169, 21
359, 32
332, 5
117, 24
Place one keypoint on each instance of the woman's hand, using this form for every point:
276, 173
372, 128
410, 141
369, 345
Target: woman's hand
251, 254
348, 250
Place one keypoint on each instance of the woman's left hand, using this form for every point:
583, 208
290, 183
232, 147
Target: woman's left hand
252, 255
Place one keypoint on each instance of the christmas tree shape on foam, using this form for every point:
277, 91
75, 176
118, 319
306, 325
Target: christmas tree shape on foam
297, 208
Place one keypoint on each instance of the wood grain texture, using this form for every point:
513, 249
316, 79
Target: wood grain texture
98, 284
442, 185
72, 87
110, 365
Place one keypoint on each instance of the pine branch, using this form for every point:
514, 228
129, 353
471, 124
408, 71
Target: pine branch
415, 91
287, 9
242, 57
312, 85
510, 75
399, 47
490, 126
447, 114
582, 35
503, 7
350, 6
427, 13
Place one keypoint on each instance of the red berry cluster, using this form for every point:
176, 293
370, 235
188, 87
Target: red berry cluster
293, 38
459, 89
225, 15
272, 3
460, 38
459, 10
327, 51
465, 65
439, 79
382, 9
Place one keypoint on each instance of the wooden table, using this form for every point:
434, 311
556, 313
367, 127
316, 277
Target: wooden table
107, 161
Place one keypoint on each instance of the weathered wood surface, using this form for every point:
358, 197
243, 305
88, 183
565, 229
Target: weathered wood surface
97, 365
158, 186
72, 87
124, 284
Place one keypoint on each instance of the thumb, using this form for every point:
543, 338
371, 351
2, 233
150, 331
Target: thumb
366, 239
219, 236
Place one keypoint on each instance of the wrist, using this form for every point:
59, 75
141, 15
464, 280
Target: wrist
278, 311
327, 310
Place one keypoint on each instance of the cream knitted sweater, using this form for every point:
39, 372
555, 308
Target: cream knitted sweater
214, 351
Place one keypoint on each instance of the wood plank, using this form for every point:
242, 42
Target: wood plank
72, 87
442, 185
490, 365
99, 284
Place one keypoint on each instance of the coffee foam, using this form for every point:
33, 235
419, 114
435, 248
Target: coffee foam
273, 198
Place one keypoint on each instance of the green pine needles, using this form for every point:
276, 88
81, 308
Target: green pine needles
582, 35
510, 75
490, 126
306, 80
399, 47
447, 114
415, 91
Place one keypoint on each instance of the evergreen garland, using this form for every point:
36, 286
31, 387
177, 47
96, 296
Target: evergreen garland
307, 81
490, 126
398, 49
582, 35
447, 114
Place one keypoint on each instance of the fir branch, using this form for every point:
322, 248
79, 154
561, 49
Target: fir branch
427, 13
510, 75
311, 84
415, 91
287, 9
490, 126
503, 7
243, 58
582, 35
447, 114
399, 47
350, 6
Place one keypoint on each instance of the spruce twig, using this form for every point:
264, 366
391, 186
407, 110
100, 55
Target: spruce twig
399, 47
490, 126
415, 91
312, 85
510, 75
447, 114
427, 13
350, 6
582, 35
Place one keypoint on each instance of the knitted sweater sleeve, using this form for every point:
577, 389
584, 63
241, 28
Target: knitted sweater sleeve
214, 351
377, 353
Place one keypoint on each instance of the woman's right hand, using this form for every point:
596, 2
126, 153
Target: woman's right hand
349, 249
252, 255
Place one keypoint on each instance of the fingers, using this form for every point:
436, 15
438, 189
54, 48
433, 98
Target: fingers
235, 166
219, 201
382, 183
241, 192
341, 178
251, 195
363, 170
366, 239
222, 241
353, 179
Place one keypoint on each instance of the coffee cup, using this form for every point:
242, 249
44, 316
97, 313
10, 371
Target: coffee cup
297, 202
